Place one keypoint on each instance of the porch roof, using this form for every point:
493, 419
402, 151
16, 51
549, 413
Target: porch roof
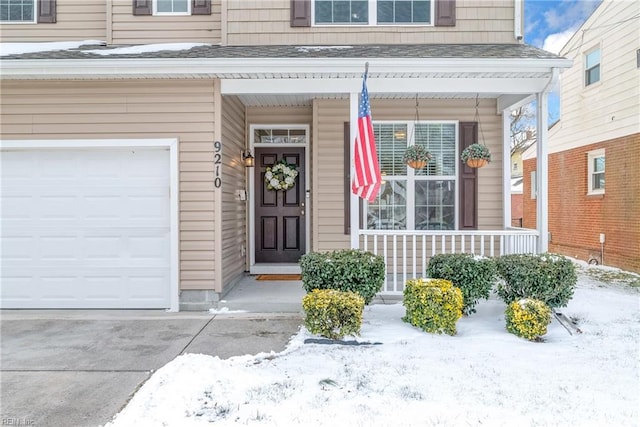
297, 74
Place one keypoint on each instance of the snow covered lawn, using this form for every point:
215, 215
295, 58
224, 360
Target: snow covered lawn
481, 376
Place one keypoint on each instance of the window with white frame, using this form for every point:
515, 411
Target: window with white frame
415, 199
592, 67
172, 7
372, 12
596, 171
17, 11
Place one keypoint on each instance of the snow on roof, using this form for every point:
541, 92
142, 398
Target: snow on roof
146, 48
20, 48
306, 49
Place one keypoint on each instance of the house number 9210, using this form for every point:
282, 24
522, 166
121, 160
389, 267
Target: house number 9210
217, 164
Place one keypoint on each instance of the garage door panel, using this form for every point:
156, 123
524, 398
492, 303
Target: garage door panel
88, 288
85, 228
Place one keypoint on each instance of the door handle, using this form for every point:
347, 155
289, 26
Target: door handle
302, 212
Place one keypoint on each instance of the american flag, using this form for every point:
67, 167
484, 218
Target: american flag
367, 179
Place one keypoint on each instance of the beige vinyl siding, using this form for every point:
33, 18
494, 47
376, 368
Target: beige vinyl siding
75, 21
234, 212
328, 175
256, 23
610, 108
182, 109
129, 29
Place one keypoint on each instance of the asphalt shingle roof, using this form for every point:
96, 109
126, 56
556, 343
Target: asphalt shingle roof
459, 51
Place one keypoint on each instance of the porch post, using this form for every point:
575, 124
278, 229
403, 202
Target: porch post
355, 205
542, 172
506, 168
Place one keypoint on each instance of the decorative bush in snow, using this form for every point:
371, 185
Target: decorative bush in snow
433, 305
473, 275
333, 314
528, 318
549, 278
346, 270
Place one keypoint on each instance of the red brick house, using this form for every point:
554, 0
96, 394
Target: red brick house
594, 150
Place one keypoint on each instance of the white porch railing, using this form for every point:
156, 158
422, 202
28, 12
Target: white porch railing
407, 253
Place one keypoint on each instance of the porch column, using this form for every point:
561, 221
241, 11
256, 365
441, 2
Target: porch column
506, 168
355, 205
542, 172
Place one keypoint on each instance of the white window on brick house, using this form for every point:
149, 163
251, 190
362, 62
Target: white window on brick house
592, 67
596, 171
415, 199
22, 11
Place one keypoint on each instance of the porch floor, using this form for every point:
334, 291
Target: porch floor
275, 296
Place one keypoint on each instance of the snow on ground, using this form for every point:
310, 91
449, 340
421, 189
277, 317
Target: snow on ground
20, 48
481, 376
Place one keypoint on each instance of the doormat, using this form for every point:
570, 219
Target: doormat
279, 277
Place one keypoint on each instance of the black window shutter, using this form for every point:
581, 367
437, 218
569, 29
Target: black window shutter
300, 13
47, 11
445, 13
468, 180
142, 7
201, 7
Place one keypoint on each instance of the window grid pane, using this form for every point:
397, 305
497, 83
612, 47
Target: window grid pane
403, 11
592, 67
435, 205
440, 139
172, 6
389, 210
16, 10
341, 11
391, 143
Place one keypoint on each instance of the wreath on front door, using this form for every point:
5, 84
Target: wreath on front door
280, 176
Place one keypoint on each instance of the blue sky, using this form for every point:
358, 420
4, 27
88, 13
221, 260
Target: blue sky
549, 24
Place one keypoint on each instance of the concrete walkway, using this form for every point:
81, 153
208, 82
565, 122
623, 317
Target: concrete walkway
80, 367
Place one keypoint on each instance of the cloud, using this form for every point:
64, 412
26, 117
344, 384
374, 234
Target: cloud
569, 13
555, 42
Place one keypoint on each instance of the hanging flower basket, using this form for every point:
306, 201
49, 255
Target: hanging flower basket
476, 155
416, 156
280, 176
477, 163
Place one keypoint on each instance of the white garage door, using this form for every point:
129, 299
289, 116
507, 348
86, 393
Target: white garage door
85, 228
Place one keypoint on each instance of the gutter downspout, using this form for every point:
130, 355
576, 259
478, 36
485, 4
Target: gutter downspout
517, 17
542, 174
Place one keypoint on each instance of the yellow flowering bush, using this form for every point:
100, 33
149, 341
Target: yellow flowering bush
333, 314
433, 305
528, 318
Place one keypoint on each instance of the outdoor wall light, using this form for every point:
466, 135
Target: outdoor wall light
247, 158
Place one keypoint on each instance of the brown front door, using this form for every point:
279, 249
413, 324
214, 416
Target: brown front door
280, 222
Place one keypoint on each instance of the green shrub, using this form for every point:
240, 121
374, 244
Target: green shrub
346, 270
549, 278
333, 314
433, 305
474, 276
528, 318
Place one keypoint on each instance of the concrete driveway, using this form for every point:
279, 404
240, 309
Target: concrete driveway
79, 368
